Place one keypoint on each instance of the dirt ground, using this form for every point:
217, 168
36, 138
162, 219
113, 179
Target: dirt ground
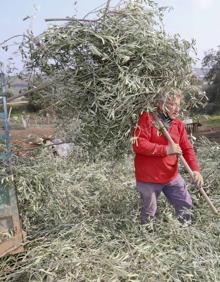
212, 133
24, 141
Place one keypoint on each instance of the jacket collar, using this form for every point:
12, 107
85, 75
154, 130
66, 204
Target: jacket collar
167, 120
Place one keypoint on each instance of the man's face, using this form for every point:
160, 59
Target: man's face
172, 106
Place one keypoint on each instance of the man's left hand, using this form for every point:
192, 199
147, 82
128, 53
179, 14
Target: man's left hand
198, 179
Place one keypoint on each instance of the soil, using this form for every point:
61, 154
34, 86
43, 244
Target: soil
212, 133
24, 141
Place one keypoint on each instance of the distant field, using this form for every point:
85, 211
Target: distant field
213, 121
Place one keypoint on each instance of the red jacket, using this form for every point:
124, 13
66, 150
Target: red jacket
152, 164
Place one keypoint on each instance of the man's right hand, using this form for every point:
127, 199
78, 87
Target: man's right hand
173, 149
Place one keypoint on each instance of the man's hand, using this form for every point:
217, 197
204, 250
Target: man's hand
198, 179
173, 149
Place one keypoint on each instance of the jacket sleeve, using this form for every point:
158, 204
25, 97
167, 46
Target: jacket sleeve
187, 149
141, 137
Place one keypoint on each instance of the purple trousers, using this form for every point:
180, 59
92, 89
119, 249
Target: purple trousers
176, 193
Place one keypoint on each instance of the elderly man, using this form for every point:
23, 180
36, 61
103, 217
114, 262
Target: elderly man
156, 161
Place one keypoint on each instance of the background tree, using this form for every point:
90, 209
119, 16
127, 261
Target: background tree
212, 61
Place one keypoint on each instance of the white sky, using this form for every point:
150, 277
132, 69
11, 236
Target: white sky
198, 19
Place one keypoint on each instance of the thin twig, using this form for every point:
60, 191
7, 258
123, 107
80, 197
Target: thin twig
81, 20
94, 11
12, 37
106, 8
70, 20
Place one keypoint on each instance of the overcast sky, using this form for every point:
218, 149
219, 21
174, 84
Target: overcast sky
198, 19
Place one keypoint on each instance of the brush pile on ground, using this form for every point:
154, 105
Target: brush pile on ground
82, 223
106, 71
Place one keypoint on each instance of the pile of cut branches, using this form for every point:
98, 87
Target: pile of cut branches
83, 225
106, 71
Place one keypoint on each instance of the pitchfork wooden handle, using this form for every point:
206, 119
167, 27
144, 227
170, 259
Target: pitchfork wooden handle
202, 191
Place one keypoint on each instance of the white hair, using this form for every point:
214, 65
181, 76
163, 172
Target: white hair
165, 95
